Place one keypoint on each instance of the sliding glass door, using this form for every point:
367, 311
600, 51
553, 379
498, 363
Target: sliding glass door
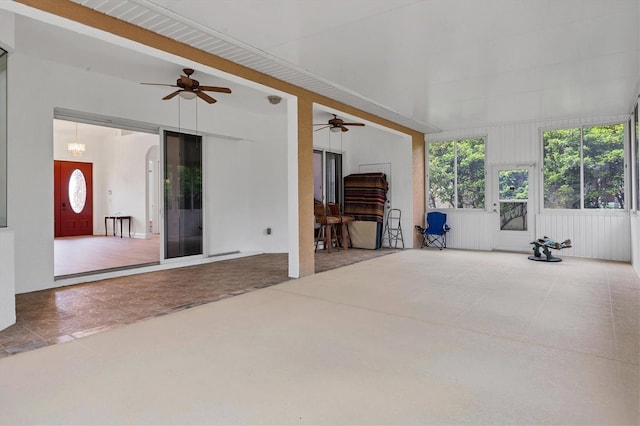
3, 138
327, 176
182, 195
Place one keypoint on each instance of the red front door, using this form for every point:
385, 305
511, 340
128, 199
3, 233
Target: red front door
73, 198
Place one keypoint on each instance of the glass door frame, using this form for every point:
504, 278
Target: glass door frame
506, 239
324, 152
162, 201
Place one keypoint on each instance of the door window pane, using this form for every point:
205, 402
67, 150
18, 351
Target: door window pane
513, 216
513, 184
77, 191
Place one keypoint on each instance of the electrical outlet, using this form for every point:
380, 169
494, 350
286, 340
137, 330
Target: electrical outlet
268, 231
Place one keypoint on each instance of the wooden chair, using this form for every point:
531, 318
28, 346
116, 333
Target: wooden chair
343, 228
327, 232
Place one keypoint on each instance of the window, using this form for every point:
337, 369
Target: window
77, 191
636, 144
457, 174
584, 167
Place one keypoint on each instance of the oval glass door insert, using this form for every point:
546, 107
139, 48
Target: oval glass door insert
77, 191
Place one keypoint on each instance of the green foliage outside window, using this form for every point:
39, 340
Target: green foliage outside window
513, 184
562, 169
457, 174
601, 168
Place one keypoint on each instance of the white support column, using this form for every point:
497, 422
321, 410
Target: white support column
292, 172
7, 279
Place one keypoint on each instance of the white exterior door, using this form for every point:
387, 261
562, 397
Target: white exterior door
512, 207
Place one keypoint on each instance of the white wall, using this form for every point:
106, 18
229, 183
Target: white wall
603, 235
600, 236
38, 86
248, 181
228, 185
122, 187
7, 30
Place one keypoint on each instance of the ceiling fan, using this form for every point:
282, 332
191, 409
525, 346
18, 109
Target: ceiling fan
337, 125
189, 88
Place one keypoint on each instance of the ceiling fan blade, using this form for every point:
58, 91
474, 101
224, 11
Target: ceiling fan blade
321, 128
344, 129
171, 95
159, 84
353, 124
205, 97
215, 89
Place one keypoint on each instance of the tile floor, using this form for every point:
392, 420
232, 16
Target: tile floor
63, 314
417, 337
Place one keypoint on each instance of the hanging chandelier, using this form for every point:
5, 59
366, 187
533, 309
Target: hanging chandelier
75, 147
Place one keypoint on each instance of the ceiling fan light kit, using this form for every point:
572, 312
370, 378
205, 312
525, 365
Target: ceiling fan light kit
187, 95
190, 88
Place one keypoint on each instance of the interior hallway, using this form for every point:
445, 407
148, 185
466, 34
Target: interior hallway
420, 336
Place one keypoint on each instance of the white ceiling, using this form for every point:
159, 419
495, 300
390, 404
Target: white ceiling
57, 44
442, 63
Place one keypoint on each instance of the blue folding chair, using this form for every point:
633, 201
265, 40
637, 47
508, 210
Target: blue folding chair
435, 235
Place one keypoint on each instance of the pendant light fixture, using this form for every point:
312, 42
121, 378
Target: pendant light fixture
75, 147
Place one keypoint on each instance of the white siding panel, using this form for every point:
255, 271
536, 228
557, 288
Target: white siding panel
635, 242
469, 230
599, 236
